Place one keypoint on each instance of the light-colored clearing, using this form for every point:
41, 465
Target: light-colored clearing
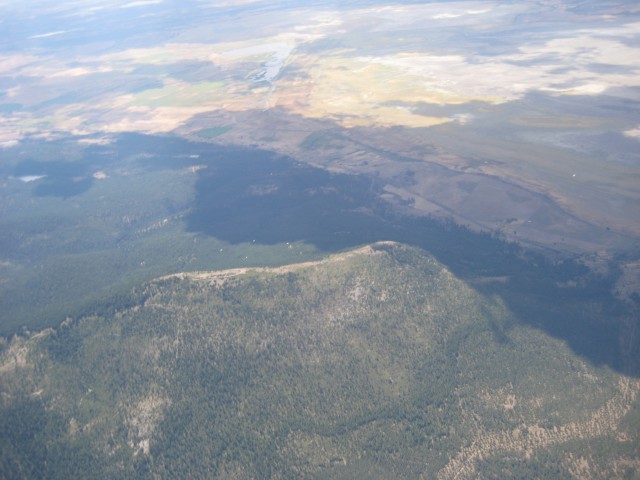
219, 277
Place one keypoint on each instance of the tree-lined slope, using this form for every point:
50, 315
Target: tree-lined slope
374, 363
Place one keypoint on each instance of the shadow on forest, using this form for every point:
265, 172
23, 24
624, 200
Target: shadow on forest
60, 178
254, 195
245, 195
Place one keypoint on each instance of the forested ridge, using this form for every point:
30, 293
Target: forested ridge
377, 363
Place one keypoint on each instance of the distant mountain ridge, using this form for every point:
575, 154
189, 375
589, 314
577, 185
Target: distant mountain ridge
374, 363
